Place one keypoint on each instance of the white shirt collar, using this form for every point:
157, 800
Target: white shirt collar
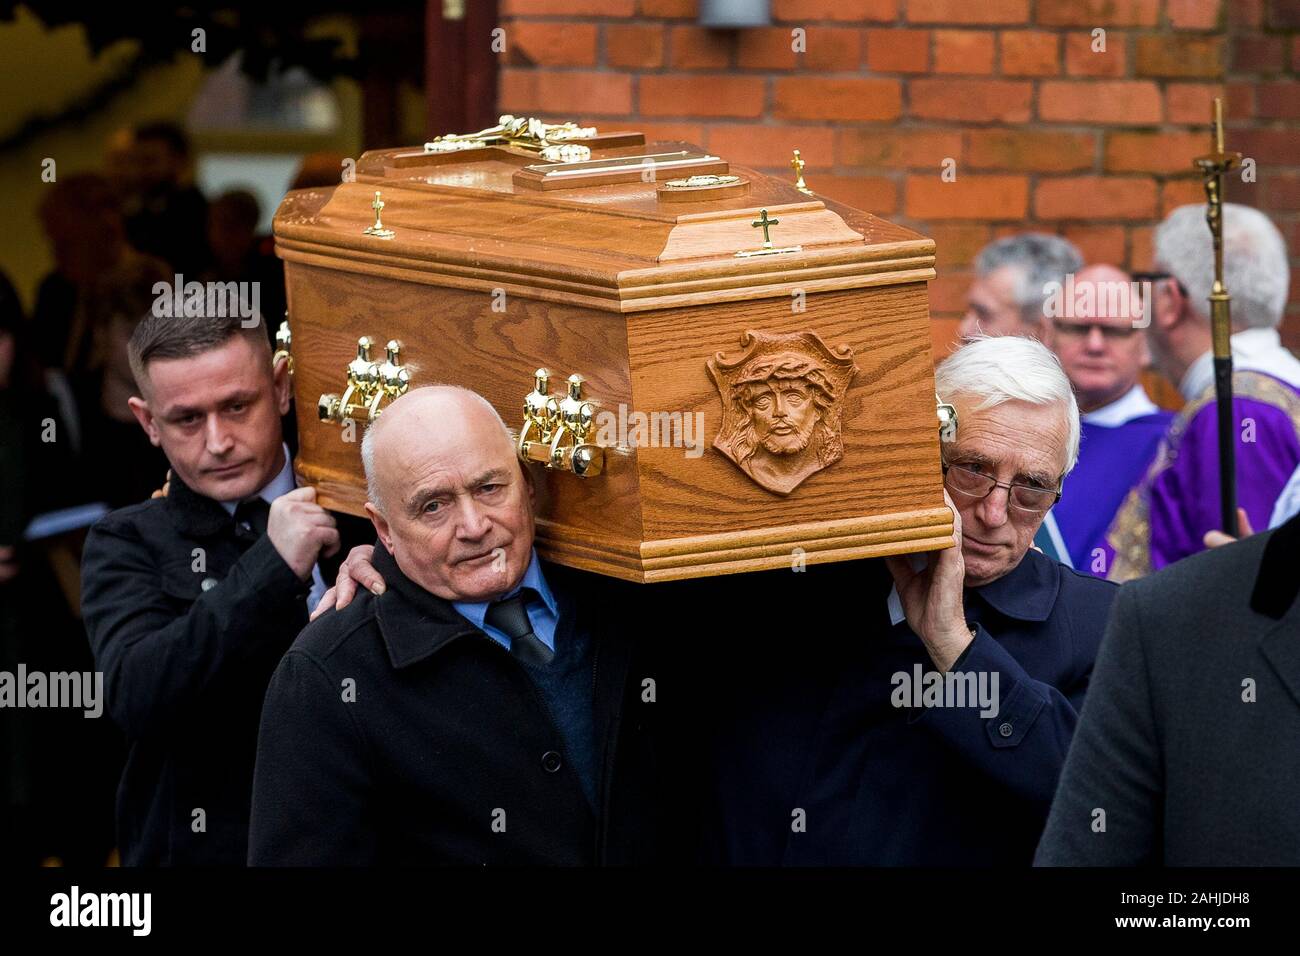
281, 484
1132, 404
895, 604
1253, 350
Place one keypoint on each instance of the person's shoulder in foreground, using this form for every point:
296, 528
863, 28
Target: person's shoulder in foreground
1188, 748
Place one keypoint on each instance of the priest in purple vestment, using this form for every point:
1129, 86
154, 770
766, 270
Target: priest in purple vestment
1178, 502
1098, 333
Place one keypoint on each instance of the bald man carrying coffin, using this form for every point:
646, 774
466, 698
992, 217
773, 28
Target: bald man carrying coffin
474, 712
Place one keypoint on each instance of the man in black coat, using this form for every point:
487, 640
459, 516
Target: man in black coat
473, 712
930, 727
1188, 750
190, 600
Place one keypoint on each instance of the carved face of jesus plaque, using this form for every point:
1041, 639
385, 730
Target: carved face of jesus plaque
782, 399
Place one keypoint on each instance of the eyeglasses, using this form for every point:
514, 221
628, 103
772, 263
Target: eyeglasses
1114, 333
963, 481
1160, 277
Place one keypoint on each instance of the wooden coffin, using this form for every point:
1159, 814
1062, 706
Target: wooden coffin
806, 366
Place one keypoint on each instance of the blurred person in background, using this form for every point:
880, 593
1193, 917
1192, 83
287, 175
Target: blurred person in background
121, 462
57, 768
1177, 505
166, 214
82, 219
1010, 286
1100, 339
238, 254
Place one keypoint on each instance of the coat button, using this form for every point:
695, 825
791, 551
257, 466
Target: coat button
551, 761
208, 584
1006, 730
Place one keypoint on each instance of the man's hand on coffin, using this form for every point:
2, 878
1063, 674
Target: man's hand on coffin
932, 597
301, 530
355, 569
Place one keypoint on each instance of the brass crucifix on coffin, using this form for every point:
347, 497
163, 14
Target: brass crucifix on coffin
565, 151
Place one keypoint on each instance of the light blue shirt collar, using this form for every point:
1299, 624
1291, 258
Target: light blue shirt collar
281, 484
543, 618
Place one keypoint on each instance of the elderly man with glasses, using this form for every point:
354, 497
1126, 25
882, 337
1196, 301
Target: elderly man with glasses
929, 725
994, 612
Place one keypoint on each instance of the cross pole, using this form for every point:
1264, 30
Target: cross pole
1212, 167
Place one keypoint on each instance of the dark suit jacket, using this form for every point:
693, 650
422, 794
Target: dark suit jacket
186, 623
448, 753
1186, 771
806, 721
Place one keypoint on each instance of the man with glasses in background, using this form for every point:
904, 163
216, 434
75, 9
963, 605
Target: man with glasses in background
1100, 341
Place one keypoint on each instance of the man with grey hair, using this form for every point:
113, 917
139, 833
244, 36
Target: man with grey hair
1169, 516
469, 710
868, 733
1012, 277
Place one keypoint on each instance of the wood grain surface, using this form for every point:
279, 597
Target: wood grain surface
485, 282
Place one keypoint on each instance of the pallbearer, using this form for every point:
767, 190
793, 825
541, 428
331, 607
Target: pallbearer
190, 599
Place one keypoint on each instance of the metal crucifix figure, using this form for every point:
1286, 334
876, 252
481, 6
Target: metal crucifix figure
1212, 167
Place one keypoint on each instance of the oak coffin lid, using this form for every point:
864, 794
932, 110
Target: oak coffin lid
616, 246
662, 300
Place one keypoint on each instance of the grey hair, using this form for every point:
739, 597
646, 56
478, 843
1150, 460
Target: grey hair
998, 369
368, 439
1255, 267
1039, 258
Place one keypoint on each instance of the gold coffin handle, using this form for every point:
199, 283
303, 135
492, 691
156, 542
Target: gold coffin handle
369, 384
555, 434
947, 415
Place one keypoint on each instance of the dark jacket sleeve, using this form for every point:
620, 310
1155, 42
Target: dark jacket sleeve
1107, 810
312, 785
1024, 745
156, 663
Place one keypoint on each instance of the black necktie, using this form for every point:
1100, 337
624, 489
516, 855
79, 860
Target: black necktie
251, 516
510, 617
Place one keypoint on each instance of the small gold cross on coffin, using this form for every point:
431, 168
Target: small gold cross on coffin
797, 164
378, 230
766, 224
762, 222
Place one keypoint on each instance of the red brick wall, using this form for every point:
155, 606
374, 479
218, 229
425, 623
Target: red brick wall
1044, 131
